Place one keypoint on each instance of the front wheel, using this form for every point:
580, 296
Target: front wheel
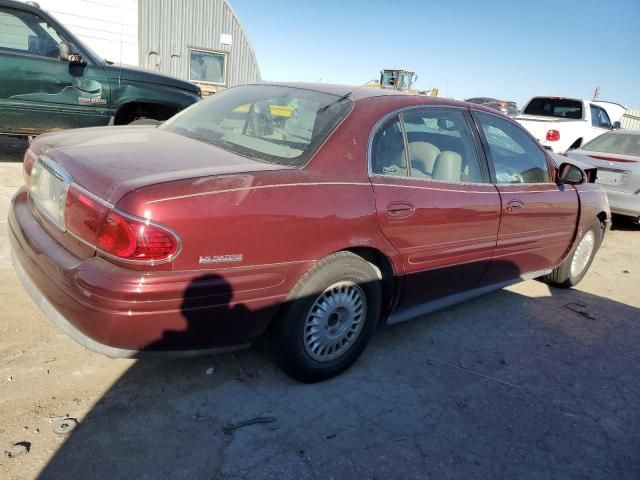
328, 320
570, 272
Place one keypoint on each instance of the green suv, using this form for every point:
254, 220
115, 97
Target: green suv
50, 80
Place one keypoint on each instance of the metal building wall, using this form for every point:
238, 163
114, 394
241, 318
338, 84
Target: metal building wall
631, 120
169, 27
108, 27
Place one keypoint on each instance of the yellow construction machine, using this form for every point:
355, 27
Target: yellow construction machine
402, 80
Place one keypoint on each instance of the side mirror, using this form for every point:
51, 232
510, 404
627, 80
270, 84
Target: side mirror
616, 126
69, 53
570, 174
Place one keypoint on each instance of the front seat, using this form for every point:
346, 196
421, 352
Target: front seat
422, 156
448, 167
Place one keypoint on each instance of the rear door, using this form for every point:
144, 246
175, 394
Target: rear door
539, 217
38, 91
434, 200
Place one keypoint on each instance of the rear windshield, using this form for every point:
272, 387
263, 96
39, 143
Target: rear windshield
620, 143
555, 107
273, 124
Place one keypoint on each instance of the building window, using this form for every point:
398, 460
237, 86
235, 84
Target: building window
207, 66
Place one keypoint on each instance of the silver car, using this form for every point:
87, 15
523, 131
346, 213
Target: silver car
617, 158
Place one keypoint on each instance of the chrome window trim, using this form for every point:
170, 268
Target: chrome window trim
398, 112
435, 181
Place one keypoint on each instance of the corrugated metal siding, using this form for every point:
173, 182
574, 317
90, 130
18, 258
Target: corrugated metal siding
168, 27
108, 27
631, 120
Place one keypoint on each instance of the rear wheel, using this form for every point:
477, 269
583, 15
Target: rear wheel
575, 266
330, 317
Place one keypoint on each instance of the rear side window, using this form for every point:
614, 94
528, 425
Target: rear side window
555, 107
25, 32
515, 156
428, 144
388, 156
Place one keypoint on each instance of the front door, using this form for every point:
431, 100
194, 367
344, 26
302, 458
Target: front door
38, 91
434, 200
539, 217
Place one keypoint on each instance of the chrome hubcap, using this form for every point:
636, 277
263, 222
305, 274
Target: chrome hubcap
334, 321
583, 253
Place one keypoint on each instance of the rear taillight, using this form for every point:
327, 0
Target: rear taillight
27, 166
133, 238
553, 135
84, 214
116, 233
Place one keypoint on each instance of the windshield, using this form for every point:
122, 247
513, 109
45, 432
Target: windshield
280, 125
405, 80
555, 107
620, 143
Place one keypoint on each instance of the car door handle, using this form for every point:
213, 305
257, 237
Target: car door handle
400, 210
513, 204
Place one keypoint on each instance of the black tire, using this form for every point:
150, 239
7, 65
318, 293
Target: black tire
561, 276
286, 340
145, 121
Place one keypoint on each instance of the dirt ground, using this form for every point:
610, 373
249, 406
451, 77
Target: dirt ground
524, 383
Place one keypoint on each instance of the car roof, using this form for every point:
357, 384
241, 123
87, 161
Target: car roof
362, 93
359, 92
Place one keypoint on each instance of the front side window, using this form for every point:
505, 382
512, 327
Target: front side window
599, 117
267, 123
24, 32
207, 66
516, 157
427, 143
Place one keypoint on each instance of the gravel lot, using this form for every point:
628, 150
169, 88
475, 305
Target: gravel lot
524, 383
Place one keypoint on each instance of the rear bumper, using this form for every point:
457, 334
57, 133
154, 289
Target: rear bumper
120, 312
85, 340
623, 203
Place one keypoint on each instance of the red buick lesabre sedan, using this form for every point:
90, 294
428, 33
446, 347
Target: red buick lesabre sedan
308, 215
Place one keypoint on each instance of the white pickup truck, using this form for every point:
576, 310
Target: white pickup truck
561, 124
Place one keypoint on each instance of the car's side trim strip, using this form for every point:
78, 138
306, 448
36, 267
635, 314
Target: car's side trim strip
258, 187
405, 314
355, 184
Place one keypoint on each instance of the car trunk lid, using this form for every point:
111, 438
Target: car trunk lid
107, 163
110, 162
614, 170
